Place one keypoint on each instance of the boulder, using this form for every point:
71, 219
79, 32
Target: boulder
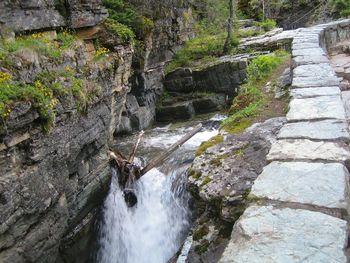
178, 111
222, 76
210, 103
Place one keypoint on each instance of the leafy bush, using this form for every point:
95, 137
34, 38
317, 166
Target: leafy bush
267, 24
341, 6
120, 30
48, 88
262, 66
249, 101
66, 39
39, 95
40, 43
202, 48
128, 19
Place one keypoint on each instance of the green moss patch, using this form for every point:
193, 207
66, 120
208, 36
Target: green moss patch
218, 160
205, 145
194, 174
206, 181
200, 233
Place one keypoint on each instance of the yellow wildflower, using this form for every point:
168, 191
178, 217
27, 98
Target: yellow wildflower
5, 77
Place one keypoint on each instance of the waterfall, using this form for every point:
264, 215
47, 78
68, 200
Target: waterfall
152, 231
156, 228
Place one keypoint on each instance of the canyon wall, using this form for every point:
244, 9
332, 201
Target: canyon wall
52, 183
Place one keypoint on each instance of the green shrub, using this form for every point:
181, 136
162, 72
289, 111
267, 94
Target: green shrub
40, 96
249, 102
267, 24
48, 88
342, 7
120, 30
40, 43
262, 66
203, 48
66, 39
127, 15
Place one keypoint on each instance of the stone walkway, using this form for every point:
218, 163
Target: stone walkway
301, 200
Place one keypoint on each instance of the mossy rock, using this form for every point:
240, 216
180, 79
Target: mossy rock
200, 233
212, 142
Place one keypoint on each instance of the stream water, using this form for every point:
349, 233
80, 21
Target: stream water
155, 229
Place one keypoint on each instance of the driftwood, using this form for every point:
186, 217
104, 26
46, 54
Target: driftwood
133, 152
129, 172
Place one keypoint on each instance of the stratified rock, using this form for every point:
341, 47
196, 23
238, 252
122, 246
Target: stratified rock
266, 234
317, 130
270, 41
180, 80
178, 111
51, 183
210, 103
30, 15
221, 76
324, 185
34, 15
324, 107
86, 13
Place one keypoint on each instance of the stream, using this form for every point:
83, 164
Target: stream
156, 228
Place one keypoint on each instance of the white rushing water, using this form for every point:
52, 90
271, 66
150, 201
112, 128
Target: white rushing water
154, 230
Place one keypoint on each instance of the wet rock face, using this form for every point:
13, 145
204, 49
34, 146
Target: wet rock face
225, 76
220, 181
173, 25
51, 184
26, 15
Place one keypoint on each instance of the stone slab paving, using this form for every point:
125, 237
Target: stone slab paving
315, 75
308, 51
269, 235
314, 92
302, 149
325, 185
323, 107
301, 45
309, 59
316, 130
306, 170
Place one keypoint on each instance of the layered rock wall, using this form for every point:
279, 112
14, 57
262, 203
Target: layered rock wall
173, 25
52, 183
25, 15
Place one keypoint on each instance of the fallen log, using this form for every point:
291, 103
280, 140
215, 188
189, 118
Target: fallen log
133, 152
158, 160
129, 172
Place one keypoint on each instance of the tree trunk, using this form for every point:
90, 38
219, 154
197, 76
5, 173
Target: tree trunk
232, 4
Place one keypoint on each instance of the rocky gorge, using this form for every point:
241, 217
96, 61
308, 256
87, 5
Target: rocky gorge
55, 173
54, 168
